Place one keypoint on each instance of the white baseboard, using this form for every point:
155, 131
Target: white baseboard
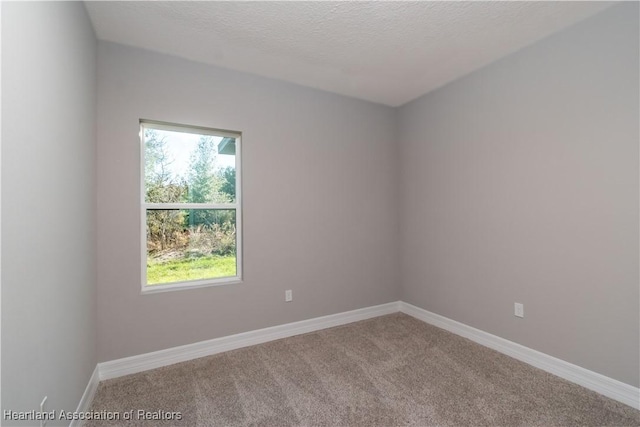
606, 386
87, 396
157, 359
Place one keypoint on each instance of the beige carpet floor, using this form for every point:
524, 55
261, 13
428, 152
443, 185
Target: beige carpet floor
388, 371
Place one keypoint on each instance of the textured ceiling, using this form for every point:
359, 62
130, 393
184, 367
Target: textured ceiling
385, 52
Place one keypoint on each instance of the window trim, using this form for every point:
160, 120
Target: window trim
144, 206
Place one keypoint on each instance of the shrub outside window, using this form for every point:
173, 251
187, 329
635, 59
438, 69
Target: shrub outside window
191, 207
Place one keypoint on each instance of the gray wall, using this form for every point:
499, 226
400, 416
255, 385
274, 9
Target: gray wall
517, 183
320, 206
48, 141
520, 183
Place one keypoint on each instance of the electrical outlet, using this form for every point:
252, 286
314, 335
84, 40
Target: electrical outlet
288, 295
43, 421
519, 309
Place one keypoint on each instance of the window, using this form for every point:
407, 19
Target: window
191, 207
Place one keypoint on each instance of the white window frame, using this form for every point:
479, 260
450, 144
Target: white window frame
237, 206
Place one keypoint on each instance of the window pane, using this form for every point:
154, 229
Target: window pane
182, 167
190, 244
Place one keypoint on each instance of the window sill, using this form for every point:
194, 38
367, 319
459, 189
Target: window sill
195, 284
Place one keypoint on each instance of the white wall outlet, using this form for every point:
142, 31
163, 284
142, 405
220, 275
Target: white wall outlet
519, 309
288, 295
43, 421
